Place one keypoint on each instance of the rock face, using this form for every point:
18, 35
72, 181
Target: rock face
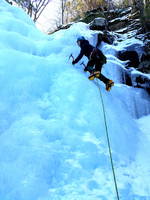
117, 23
89, 16
124, 21
138, 56
99, 24
130, 56
105, 37
136, 79
144, 66
127, 21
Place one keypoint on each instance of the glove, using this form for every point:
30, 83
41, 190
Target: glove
73, 62
86, 69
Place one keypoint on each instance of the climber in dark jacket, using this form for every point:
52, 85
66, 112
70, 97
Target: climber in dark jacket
95, 56
86, 49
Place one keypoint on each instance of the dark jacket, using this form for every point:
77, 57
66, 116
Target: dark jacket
86, 50
94, 54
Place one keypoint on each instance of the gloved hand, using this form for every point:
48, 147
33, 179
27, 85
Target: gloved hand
86, 69
73, 62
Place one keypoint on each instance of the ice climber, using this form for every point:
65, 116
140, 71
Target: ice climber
95, 62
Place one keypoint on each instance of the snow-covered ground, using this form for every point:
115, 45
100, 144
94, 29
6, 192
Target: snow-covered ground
52, 133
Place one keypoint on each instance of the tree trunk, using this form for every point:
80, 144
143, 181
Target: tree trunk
62, 7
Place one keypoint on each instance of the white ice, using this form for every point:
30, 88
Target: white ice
52, 133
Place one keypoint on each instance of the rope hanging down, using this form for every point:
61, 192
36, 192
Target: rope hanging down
108, 142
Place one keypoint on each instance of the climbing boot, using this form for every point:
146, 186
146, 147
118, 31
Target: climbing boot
95, 74
109, 85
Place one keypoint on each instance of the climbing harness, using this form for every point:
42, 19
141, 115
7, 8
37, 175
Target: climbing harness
108, 141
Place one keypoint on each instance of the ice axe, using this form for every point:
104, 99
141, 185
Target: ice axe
85, 67
90, 69
71, 56
83, 64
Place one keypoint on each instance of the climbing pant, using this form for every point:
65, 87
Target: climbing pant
96, 65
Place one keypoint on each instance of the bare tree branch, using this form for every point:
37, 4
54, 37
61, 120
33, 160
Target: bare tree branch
34, 8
